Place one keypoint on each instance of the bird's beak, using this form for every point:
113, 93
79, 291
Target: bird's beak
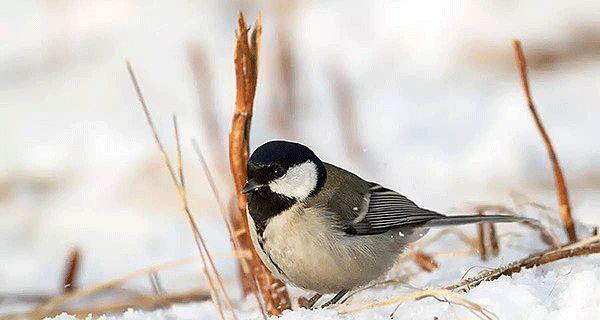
251, 186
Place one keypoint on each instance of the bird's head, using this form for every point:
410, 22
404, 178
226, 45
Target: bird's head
286, 169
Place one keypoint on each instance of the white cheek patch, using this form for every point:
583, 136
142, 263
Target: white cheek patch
298, 182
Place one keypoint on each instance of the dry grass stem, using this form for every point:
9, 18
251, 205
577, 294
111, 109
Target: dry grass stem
71, 270
241, 255
202, 248
559, 180
396, 281
182, 192
438, 294
246, 57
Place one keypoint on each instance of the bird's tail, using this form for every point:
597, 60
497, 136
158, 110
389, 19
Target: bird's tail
458, 220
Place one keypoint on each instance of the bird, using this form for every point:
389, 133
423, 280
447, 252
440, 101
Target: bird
324, 229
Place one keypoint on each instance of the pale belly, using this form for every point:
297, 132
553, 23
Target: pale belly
300, 249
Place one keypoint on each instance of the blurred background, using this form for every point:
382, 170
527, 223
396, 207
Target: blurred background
423, 97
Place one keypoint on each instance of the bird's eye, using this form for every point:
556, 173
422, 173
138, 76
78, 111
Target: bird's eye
278, 172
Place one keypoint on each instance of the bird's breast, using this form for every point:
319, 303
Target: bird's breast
303, 246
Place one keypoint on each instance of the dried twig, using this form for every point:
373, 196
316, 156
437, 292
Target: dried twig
246, 70
486, 231
481, 237
182, 192
585, 247
559, 180
494, 244
72, 270
424, 261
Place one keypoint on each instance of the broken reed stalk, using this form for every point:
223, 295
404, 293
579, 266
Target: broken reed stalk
182, 193
246, 59
559, 180
585, 247
238, 149
71, 270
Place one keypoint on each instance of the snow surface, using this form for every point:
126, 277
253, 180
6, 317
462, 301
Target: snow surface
440, 115
564, 290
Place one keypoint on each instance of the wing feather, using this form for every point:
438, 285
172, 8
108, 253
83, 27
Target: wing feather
387, 210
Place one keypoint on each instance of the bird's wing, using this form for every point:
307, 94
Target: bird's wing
344, 195
387, 209
360, 207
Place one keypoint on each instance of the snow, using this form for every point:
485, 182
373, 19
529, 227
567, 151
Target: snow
439, 110
564, 290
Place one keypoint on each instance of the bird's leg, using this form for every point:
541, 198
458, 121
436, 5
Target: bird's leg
335, 299
310, 303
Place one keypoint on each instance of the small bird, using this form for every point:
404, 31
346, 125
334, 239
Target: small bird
324, 229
